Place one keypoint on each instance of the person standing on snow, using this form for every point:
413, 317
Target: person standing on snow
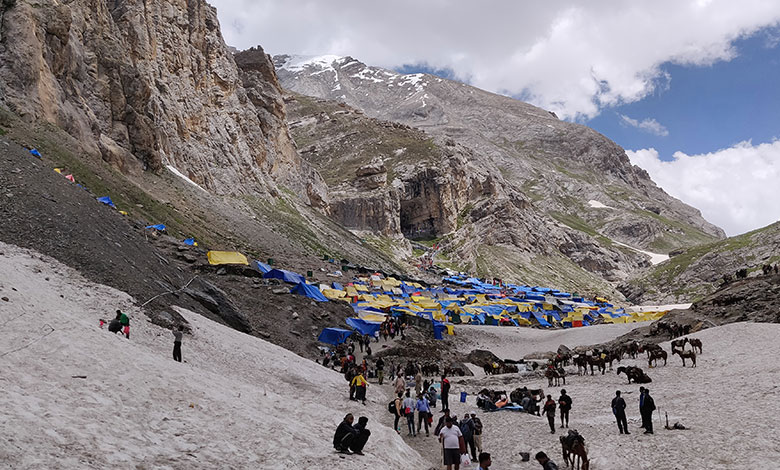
177, 335
549, 411
647, 408
477, 432
409, 406
619, 410
359, 383
445, 393
564, 404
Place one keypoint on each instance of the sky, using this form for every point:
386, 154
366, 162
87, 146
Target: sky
687, 87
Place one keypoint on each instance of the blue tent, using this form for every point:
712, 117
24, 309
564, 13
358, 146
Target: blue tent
363, 327
262, 267
334, 336
540, 318
309, 291
438, 329
107, 201
286, 276
337, 286
158, 227
189, 241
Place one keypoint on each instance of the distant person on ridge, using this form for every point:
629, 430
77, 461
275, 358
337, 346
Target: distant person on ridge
177, 335
619, 410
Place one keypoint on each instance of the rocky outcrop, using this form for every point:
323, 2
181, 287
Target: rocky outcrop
699, 271
145, 84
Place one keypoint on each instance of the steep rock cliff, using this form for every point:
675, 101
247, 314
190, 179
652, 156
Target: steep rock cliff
145, 84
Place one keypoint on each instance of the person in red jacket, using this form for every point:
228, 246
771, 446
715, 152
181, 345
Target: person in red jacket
445, 393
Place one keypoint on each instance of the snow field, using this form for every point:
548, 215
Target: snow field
237, 401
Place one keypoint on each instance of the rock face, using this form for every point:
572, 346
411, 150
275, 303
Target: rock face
696, 272
401, 183
573, 174
146, 84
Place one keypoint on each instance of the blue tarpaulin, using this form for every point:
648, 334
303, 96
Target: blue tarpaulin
262, 267
189, 241
540, 318
334, 336
35, 152
107, 201
309, 291
284, 275
439, 329
158, 227
337, 286
363, 327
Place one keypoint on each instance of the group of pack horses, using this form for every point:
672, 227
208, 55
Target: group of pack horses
599, 360
573, 445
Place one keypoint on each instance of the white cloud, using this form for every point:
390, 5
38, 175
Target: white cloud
648, 125
735, 188
570, 57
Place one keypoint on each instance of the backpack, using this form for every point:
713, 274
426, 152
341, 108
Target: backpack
391, 407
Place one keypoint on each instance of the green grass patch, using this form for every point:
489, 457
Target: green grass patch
572, 221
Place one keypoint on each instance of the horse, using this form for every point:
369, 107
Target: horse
655, 355
695, 344
679, 344
632, 349
581, 361
649, 348
557, 375
634, 373
573, 448
561, 360
598, 362
686, 354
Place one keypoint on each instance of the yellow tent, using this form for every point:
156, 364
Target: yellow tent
373, 317
360, 287
333, 294
450, 329
351, 291
226, 257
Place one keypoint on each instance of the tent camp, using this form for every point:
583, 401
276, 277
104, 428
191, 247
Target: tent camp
284, 275
310, 291
334, 336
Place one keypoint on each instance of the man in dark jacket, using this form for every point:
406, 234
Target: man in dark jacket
641, 404
564, 404
647, 408
619, 410
345, 435
477, 432
467, 429
445, 393
549, 411
361, 436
